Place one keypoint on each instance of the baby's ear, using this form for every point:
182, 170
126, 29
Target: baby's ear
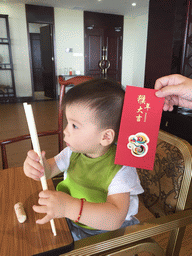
108, 137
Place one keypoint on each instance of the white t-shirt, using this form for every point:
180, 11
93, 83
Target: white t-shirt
126, 180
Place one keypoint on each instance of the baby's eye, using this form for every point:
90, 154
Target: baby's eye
74, 126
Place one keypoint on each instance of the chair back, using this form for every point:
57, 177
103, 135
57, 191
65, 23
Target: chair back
168, 187
74, 80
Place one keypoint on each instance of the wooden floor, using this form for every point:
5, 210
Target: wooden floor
13, 123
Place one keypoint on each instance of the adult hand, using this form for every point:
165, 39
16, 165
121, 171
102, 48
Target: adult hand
176, 89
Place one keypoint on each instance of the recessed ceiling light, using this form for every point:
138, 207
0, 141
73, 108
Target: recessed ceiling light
134, 4
99, 0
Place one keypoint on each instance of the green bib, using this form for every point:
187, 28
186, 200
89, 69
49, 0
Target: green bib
90, 178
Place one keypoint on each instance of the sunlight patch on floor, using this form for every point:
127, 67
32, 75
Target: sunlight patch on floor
40, 96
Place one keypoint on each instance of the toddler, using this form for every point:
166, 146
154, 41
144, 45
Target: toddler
96, 195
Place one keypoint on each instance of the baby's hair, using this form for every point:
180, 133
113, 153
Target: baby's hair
104, 97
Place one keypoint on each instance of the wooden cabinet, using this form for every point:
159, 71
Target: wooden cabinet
187, 49
166, 31
7, 83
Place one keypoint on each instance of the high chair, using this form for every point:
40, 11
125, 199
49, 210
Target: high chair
165, 206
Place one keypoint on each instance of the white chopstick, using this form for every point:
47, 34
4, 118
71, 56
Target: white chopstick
36, 147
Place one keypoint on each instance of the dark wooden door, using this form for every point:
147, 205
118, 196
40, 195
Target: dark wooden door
36, 62
113, 42
94, 40
103, 30
47, 61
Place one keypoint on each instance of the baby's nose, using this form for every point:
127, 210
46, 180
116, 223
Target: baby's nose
65, 132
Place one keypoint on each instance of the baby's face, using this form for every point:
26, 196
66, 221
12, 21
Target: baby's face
82, 133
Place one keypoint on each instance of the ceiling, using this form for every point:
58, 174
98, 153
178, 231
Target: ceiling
120, 7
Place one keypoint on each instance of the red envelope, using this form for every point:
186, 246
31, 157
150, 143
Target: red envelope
139, 128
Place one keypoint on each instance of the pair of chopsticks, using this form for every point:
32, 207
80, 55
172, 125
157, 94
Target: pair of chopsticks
36, 147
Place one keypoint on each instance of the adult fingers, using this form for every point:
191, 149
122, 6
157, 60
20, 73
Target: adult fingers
170, 90
169, 80
161, 82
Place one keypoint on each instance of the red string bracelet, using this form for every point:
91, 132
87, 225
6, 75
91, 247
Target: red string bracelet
81, 209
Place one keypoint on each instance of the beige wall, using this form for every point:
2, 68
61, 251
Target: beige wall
134, 48
69, 34
19, 45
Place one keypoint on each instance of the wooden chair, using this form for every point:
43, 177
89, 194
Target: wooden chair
75, 80
168, 194
58, 131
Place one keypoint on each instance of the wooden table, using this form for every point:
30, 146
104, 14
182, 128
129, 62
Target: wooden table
27, 238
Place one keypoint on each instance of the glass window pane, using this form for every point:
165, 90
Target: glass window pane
4, 54
5, 78
3, 31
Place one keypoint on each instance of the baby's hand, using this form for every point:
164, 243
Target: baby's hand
53, 203
32, 168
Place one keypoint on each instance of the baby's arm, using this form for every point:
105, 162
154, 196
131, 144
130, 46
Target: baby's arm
33, 169
106, 216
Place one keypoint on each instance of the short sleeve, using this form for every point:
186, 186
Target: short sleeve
126, 180
63, 159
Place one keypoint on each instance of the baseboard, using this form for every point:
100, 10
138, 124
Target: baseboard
24, 99
15, 99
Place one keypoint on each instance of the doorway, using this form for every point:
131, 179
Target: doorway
42, 61
103, 45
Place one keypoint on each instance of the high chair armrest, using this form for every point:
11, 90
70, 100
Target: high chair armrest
121, 238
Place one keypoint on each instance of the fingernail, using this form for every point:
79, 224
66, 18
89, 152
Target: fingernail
158, 93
